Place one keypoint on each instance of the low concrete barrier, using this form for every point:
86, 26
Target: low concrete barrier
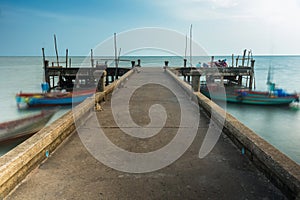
280, 169
19, 162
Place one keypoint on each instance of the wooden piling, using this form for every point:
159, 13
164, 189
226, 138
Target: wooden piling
166, 63
184, 65
67, 52
56, 51
47, 78
92, 59
139, 63
132, 63
237, 61
252, 74
243, 59
195, 80
45, 67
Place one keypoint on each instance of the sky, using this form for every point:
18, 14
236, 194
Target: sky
221, 27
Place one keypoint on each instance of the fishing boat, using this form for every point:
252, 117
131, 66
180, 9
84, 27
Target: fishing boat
229, 80
61, 86
246, 96
24, 127
34, 100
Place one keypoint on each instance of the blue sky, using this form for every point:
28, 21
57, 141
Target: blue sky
220, 26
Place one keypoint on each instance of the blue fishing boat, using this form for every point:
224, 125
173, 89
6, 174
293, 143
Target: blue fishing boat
61, 86
34, 100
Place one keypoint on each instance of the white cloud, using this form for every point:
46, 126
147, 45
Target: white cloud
271, 11
259, 24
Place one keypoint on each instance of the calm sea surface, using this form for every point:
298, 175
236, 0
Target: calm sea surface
280, 126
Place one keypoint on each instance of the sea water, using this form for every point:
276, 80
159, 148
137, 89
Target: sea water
280, 126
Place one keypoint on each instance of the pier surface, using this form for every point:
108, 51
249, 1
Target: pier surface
71, 172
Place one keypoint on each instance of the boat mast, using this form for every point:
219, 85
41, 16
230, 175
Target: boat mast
55, 45
270, 84
45, 67
191, 45
57, 61
116, 56
186, 41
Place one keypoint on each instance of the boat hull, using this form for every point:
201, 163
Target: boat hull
249, 97
24, 127
33, 100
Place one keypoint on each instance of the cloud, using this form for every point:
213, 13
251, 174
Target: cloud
244, 23
197, 10
266, 10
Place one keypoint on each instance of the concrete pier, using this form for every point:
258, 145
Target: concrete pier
71, 172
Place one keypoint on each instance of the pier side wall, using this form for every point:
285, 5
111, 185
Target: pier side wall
20, 161
279, 168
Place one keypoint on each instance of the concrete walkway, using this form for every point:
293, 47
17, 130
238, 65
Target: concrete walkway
71, 172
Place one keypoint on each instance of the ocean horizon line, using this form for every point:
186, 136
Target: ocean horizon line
220, 55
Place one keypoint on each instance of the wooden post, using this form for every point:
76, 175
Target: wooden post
252, 74
184, 65
132, 63
237, 61
56, 51
240, 79
70, 63
43, 52
67, 51
232, 58
243, 60
248, 58
44, 63
139, 63
195, 80
47, 78
166, 63
92, 59
212, 61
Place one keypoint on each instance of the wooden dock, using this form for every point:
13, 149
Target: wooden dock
71, 172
